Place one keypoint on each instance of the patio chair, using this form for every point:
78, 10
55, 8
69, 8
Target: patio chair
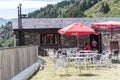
60, 61
84, 62
104, 59
115, 54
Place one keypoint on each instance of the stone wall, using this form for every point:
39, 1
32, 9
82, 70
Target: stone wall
31, 38
71, 41
68, 41
106, 40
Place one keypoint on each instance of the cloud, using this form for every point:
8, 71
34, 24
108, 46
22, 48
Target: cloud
12, 4
8, 8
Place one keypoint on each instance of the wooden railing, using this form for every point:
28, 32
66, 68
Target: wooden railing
16, 59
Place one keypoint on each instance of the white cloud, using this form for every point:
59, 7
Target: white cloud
25, 4
8, 8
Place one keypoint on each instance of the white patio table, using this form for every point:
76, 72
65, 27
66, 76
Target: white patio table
80, 60
88, 53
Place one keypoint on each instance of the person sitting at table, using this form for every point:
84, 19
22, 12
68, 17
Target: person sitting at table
87, 46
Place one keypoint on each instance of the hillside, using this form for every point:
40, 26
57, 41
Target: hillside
65, 8
3, 21
95, 11
6, 37
79, 8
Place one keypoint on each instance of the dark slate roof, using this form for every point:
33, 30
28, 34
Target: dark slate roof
45, 23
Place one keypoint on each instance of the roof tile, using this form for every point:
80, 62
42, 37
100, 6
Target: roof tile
39, 23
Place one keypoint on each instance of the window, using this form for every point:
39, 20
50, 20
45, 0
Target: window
49, 39
114, 44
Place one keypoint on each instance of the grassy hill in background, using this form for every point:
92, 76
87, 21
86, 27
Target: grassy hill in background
79, 8
64, 9
95, 11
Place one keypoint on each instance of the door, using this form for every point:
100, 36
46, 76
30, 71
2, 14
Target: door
97, 38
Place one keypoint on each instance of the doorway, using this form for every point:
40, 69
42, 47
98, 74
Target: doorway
97, 38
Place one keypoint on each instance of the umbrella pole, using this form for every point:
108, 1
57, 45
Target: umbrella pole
111, 41
77, 42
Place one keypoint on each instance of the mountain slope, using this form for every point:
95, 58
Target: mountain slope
66, 8
6, 37
79, 8
114, 11
3, 21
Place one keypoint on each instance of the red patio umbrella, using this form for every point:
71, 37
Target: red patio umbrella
111, 26
76, 29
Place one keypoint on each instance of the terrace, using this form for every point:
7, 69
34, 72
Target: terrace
73, 73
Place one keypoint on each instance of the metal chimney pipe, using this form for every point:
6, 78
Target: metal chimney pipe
20, 32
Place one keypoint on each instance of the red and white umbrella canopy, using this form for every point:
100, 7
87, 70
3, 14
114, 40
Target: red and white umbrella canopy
76, 29
111, 26
107, 25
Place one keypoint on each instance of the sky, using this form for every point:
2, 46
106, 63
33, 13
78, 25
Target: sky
8, 8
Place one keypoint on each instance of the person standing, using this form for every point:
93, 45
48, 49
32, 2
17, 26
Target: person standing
94, 44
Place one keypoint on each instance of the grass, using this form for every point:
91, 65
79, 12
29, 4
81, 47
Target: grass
74, 73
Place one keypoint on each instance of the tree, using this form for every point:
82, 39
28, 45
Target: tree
104, 7
65, 8
6, 38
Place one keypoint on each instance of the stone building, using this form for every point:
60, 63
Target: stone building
44, 32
